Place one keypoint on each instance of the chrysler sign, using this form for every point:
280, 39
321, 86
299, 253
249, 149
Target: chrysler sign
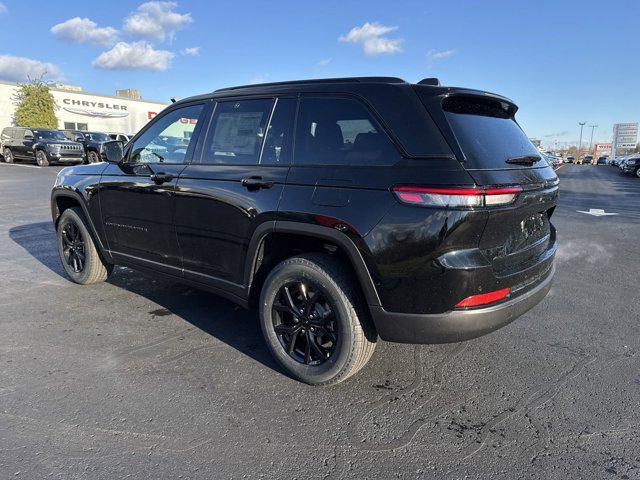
95, 109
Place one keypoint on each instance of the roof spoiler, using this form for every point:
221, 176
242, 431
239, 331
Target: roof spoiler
433, 81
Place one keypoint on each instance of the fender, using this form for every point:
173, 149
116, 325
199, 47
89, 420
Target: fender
316, 231
55, 215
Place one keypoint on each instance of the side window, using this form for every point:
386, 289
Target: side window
340, 131
27, 133
236, 132
168, 139
277, 144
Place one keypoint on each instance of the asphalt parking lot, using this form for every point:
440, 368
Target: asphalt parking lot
145, 379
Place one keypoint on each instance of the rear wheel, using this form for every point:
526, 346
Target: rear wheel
314, 321
92, 157
8, 155
41, 158
77, 250
638, 172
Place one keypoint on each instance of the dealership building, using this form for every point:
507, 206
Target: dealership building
124, 112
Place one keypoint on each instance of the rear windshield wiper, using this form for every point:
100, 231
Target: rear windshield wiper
524, 160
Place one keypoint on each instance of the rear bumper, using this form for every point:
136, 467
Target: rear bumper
457, 325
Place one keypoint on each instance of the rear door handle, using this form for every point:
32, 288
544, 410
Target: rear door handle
255, 183
160, 178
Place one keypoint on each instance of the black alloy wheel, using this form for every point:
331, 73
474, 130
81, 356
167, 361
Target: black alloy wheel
73, 246
304, 322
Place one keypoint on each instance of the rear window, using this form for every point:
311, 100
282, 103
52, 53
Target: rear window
488, 133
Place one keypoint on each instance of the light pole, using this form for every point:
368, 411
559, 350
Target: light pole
582, 124
592, 127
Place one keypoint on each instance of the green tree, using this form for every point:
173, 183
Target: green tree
36, 106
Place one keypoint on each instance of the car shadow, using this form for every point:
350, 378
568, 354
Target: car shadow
213, 315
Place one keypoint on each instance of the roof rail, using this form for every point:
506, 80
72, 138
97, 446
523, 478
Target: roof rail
319, 80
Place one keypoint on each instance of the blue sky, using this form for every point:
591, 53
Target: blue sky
561, 61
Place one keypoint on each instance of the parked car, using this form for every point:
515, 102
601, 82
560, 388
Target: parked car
602, 161
120, 136
92, 142
383, 218
570, 159
587, 160
43, 146
632, 165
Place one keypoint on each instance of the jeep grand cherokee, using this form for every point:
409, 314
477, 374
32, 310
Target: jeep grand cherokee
344, 210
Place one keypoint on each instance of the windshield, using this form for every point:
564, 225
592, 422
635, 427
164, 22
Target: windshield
488, 133
98, 136
49, 135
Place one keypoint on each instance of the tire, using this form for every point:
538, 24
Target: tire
91, 267
343, 338
638, 172
41, 158
8, 155
92, 157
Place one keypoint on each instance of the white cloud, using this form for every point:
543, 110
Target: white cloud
3, 8
20, 69
85, 30
438, 54
371, 37
324, 62
155, 21
192, 51
134, 56
259, 78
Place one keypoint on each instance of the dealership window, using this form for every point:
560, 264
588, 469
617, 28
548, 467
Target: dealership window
168, 138
75, 126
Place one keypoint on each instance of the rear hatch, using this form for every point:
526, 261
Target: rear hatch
494, 150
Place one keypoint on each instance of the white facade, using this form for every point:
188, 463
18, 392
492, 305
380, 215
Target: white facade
87, 111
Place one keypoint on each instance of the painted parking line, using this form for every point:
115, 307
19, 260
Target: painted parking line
18, 165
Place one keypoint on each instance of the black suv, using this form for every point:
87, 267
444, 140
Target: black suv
344, 210
43, 146
92, 142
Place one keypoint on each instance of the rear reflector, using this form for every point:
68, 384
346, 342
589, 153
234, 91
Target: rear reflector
456, 196
483, 298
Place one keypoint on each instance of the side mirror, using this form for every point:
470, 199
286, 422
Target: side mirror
113, 151
28, 138
79, 139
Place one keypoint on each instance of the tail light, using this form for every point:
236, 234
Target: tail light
456, 196
483, 298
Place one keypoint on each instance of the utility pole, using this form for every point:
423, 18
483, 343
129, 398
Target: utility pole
592, 127
582, 124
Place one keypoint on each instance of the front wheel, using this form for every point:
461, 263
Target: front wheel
8, 155
41, 158
78, 253
314, 320
92, 157
638, 172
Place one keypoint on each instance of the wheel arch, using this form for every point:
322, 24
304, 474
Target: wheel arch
61, 200
292, 238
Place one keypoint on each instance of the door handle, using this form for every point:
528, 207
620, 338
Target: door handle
160, 178
255, 183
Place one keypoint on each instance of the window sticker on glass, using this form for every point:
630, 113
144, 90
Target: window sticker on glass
237, 133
